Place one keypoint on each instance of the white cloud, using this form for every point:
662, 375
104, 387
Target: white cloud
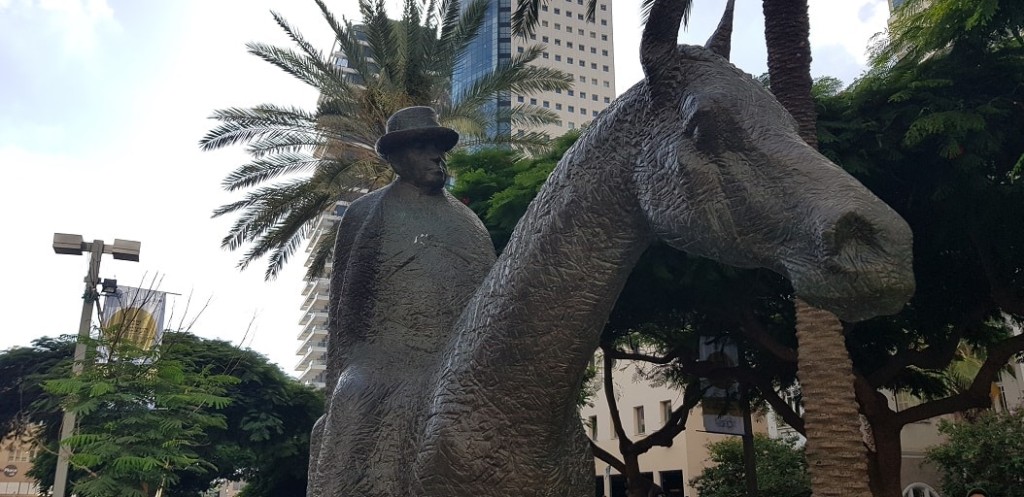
78, 23
849, 25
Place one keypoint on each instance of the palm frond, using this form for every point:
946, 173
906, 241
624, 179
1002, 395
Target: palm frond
528, 116
383, 40
322, 252
295, 64
260, 170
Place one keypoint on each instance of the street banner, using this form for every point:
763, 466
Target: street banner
721, 407
135, 315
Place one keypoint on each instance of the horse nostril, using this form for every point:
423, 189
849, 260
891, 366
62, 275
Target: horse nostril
851, 228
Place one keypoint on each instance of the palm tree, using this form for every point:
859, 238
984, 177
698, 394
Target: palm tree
304, 161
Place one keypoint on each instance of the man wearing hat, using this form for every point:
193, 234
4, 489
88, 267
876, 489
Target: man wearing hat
407, 259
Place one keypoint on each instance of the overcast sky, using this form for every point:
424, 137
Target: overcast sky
102, 103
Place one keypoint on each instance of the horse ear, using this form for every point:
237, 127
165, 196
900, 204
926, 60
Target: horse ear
658, 44
721, 40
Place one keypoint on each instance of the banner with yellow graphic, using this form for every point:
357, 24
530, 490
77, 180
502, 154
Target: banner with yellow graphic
135, 316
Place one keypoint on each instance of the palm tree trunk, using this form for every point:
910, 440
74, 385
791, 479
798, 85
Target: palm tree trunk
836, 456
835, 452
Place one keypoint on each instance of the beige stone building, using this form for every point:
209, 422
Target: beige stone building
16, 455
643, 409
581, 48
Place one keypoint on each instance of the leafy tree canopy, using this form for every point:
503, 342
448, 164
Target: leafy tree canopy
781, 469
264, 439
985, 453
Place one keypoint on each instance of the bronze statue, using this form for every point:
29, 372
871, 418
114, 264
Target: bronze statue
407, 258
698, 155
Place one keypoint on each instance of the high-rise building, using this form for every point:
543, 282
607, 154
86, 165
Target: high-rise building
571, 43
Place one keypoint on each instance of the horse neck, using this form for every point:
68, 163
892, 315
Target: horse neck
543, 305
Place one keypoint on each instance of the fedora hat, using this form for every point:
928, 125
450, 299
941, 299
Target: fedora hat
415, 124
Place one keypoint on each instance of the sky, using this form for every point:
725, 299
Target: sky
103, 102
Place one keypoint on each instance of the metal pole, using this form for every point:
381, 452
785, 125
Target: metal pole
749, 458
67, 427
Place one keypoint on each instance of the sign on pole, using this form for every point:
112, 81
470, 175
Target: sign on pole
135, 316
722, 405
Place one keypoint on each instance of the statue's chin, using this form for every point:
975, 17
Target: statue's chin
856, 297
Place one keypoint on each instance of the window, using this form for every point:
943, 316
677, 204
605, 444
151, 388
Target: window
568, 28
579, 16
607, 100
542, 38
544, 8
558, 11
583, 94
558, 57
604, 53
593, 97
593, 50
593, 81
604, 37
520, 99
582, 78
558, 106
558, 91
558, 42
593, 65
568, 59
581, 48
572, 125
603, 68
533, 101
604, 22
638, 420
544, 23
546, 104
568, 44
572, 109
593, 113
607, 84
604, 7
583, 111
533, 37
558, 26
544, 54
666, 411
580, 32
571, 92
593, 34
519, 49
592, 424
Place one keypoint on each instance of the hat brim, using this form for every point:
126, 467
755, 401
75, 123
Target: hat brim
445, 137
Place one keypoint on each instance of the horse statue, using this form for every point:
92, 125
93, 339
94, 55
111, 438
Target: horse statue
698, 155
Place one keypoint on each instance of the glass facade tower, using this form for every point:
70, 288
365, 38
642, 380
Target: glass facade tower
492, 46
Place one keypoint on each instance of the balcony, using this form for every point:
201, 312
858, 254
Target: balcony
314, 317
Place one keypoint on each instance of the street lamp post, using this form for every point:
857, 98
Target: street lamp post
74, 245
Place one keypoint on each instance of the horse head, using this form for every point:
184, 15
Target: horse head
725, 175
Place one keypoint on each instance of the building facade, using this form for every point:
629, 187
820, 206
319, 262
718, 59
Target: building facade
16, 459
644, 409
570, 43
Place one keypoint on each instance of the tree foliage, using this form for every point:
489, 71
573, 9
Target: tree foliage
781, 469
264, 438
303, 161
985, 453
143, 415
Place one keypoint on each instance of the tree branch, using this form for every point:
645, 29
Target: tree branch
790, 416
977, 395
759, 335
675, 424
608, 457
932, 357
609, 395
615, 353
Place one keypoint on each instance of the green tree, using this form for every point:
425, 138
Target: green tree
144, 415
781, 469
937, 138
986, 453
264, 440
318, 157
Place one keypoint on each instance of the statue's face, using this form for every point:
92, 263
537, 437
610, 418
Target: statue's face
420, 163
